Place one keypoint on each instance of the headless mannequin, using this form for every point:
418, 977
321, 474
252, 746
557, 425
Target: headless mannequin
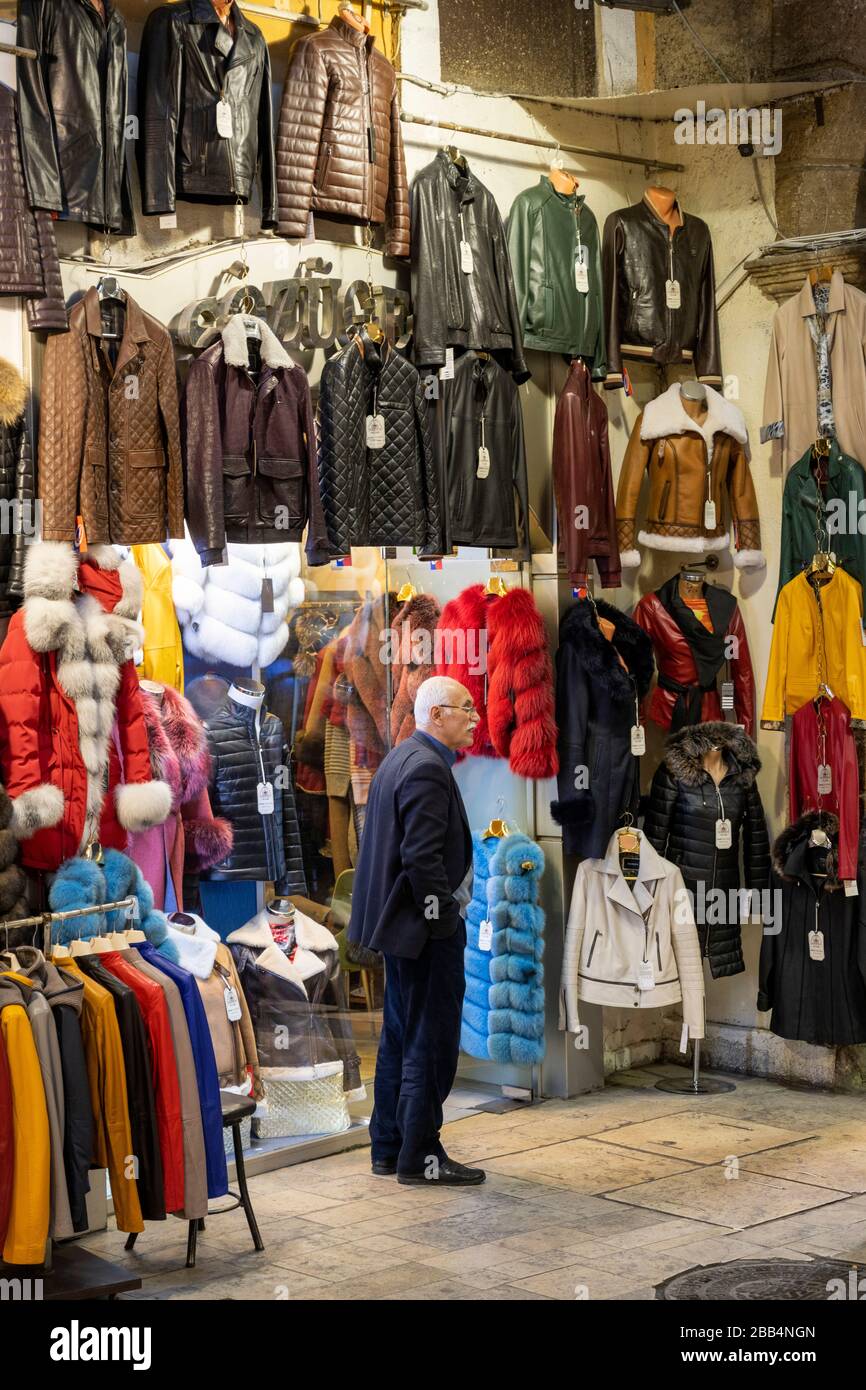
223, 9
99, 7
562, 181
693, 398
248, 693
690, 588
357, 21
664, 201
714, 763
281, 916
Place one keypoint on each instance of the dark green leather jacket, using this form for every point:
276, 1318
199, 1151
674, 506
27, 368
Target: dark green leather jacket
845, 516
546, 230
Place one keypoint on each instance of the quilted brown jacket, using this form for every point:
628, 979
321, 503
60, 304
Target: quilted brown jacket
28, 254
109, 436
339, 147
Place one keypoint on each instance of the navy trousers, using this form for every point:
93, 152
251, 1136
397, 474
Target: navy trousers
418, 1050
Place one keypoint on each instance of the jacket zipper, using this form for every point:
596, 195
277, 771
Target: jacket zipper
659, 952
234, 188
370, 134
592, 948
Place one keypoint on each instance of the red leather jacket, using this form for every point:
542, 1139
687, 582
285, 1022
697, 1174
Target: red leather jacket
836, 748
676, 663
585, 501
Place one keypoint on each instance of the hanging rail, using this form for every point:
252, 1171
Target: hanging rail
644, 160
44, 919
18, 52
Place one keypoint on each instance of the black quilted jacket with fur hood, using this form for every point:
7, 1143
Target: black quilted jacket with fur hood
684, 806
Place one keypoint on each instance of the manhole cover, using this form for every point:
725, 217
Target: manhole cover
755, 1280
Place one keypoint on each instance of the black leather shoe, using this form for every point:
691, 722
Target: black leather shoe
384, 1167
448, 1173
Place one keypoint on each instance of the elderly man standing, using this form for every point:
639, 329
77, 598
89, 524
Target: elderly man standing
412, 884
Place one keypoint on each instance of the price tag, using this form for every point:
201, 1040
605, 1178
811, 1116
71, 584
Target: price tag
638, 740
645, 976
168, 221
724, 839
252, 327
684, 1037
672, 294
816, 945
709, 516
483, 462
375, 431
851, 889
485, 935
224, 120
265, 795
467, 264
825, 779
233, 1004
447, 372
727, 694
239, 220
581, 271
133, 911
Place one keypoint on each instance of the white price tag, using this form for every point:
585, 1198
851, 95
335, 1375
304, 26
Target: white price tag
447, 372
233, 1004
816, 945
239, 220
727, 694
672, 294
638, 740
224, 120
134, 911
485, 935
851, 889
168, 221
265, 796
825, 779
724, 839
645, 975
252, 327
709, 516
483, 462
581, 272
375, 431
684, 1038
467, 264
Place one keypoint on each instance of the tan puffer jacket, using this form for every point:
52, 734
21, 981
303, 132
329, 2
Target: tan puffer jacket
339, 147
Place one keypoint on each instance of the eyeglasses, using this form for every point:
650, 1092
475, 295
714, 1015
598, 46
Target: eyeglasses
466, 709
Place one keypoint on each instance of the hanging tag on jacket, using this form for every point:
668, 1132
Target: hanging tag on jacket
265, 794
724, 839
816, 945
223, 42
447, 372
638, 740
168, 221
727, 694
485, 935
375, 431
645, 976
233, 1004
581, 271
709, 515
483, 462
672, 294
851, 889
224, 120
267, 595
825, 779
467, 264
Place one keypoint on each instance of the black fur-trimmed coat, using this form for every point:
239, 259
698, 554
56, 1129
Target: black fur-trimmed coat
684, 806
595, 710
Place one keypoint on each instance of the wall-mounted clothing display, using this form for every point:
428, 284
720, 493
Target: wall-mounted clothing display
831, 490
697, 460
339, 145
604, 666
641, 256
817, 637
813, 970
585, 507
700, 825
462, 287
204, 101
249, 444
377, 477
816, 372
693, 652
72, 109
555, 251
28, 260
110, 452
477, 432
17, 484
821, 737
236, 612
631, 945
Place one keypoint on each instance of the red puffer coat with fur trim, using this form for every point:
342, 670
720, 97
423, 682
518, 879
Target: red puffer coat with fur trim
504, 639
73, 744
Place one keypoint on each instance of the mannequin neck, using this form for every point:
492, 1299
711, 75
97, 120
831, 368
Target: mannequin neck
691, 588
250, 694
154, 689
562, 181
664, 201
714, 764
223, 10
357, 21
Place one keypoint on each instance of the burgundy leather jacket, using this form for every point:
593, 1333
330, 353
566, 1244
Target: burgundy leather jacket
585, 499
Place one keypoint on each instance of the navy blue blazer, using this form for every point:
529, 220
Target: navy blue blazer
416, 849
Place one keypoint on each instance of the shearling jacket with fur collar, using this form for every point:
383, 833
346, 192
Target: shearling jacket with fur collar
695, 458
250, 444
73, 742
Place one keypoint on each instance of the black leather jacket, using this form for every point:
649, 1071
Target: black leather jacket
453, 308
187, 63
639, 255
387, 496
72, 110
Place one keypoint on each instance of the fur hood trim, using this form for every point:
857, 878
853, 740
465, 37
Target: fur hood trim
13, 393
666, 416
794, 835
234, 336
598, 656
52, 578
685, 750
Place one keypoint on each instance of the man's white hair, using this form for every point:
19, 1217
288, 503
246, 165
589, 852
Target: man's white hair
436, 690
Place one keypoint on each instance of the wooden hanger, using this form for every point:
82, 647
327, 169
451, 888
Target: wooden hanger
405, 592
496, 830
821, 275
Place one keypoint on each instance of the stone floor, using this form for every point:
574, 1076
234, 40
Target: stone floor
603, 1197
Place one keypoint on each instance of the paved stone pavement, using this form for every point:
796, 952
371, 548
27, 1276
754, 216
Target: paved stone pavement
601, 1197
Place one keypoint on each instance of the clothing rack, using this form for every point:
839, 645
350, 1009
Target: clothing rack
45, 919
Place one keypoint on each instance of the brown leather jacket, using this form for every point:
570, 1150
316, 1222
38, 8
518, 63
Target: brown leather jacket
582, 483
690, 461
109, 436
339, 147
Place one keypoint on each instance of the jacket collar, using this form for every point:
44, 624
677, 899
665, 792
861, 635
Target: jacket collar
636, 897
354, 36
667, 416
196, 945
242, 48
646, 203
57, 988
802, 469
234, 339
836, 303
309, 934
580, 379
685, 751
790, 855
464, 185
135, 328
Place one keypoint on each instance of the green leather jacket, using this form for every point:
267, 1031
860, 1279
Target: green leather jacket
845, 516
546, 231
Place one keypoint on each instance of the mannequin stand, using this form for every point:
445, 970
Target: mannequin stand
695, 1085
